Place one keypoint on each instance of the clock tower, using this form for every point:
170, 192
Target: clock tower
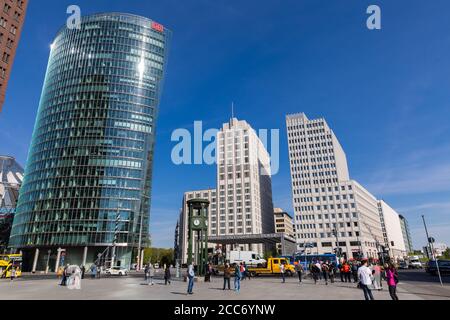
198, 233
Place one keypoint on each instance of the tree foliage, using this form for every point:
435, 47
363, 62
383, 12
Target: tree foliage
161, 256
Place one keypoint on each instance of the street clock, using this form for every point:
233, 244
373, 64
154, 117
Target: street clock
198, 233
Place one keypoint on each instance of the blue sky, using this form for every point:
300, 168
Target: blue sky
385, 93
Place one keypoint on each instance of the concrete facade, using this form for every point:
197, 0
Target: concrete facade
392, 231
331, 210
283, 224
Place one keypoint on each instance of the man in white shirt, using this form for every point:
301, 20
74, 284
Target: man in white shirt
365, 280
282, 269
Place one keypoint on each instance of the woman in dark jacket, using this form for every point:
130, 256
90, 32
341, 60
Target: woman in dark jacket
167, 275
226, 276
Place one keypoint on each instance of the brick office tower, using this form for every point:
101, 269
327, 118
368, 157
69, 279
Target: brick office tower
12, 16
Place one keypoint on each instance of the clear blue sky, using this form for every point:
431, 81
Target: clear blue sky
385, 93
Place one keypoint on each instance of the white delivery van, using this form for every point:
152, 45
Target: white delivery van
250, 258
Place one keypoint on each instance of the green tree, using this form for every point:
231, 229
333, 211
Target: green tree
446, 254
158, 255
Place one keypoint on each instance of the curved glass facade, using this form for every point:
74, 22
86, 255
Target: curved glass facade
88, 174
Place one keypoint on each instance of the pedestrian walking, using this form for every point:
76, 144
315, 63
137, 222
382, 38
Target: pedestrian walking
319, 266
99, 271
333, 269
341, 271
74, 277
83, 270
244, 272
325, 271
93, 271
299, 270
191, 276
347, 272
151, 273
392, 281
13, 273
167, 275
315, 270
64, 276
146, 270
377, 277
355, 271
365, 280
226, 276
282, 270
237, 278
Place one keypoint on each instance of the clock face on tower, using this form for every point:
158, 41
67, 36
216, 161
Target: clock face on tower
206, 223
196, 222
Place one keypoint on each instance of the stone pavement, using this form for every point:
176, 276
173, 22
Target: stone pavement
260, 288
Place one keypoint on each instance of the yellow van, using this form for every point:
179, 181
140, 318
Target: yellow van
273, 267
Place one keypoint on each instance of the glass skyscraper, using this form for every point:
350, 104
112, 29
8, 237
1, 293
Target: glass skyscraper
88, 176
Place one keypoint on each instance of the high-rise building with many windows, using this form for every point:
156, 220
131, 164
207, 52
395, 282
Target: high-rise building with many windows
241, 205
332, 212
88, 176
12, 17
406, 234
244, 184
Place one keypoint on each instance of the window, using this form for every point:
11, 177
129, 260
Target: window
5, 57
3, 22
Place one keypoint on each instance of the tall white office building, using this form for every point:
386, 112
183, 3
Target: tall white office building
331, 210
244, 184
392, 231
242, 203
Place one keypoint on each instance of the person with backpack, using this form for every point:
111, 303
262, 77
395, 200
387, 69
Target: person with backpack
347, 272
315, 270
392, 280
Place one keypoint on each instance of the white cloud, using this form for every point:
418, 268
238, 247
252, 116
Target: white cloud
412, 179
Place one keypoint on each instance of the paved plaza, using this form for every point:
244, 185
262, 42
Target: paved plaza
261, 288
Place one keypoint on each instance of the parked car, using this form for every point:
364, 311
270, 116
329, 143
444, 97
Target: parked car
444, 267
403, 265
117, 271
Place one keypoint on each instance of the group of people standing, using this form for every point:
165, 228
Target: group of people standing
370, 277
149, 274
367, 276
71, 276
325, 269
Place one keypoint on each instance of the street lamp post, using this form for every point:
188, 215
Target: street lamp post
338, 248
432, 250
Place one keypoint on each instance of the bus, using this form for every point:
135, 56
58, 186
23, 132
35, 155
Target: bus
8, 262
307, 259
